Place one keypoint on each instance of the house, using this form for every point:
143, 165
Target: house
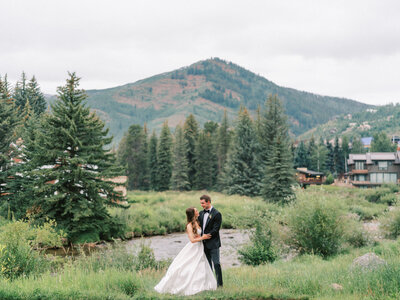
366, 142
374, 168
306, 177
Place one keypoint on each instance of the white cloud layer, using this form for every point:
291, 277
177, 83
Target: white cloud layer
339, 48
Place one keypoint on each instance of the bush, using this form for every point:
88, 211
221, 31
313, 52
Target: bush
355, 234
315, 227
17, 256
145, 258
390, 224
384, 194
329, 179
261, 250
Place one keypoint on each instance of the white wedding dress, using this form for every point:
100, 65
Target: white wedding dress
189, 273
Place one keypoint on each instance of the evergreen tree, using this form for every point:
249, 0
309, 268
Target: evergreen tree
205, 162
330, 162
278, 173
273, 123
180, 177
301, 159
8, 124
164, 158
152, 162
191, 131
382, 143
132, 154
338, 157
312, 149
70, 170
223, 143
36, 97
243, 171
20, 92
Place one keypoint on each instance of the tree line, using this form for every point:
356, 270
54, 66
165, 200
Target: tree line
252, 157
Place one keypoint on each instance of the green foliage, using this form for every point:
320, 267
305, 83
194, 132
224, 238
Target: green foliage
390, 224
18, 242
164, 159
384, 194
74, 189
191, 132
276, 155
382, 143
152, 162
132, 154
180, 176
205, 162
356, 235
261, 249
145, 258
243, 172
329, 179
316, 227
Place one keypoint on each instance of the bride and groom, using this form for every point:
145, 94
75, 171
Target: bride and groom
191, 270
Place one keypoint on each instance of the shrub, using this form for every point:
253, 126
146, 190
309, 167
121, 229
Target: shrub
145, 258
17, 256
389, 199
329, 179
390, 224
315, 227
261, 249
355, 234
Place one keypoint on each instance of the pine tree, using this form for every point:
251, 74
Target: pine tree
330, 162
278, 172
243, 172
180, 177
70, 169
273, 123
164, 158
301, 159
206, 160
9, 123
312, 149
36, 97
132, 154
191, 131
223, 143
152, 162
357, 146
20, 92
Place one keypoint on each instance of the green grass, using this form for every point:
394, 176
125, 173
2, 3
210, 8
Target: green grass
305, 277
158, 213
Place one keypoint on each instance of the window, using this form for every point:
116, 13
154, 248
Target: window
383, 165
360, 178
383, 177
359, 165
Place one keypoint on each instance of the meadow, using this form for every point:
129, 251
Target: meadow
116, 274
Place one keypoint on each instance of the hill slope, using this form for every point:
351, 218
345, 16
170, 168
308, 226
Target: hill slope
205, 89
365, 123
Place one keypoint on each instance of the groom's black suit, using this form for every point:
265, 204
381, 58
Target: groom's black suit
212, 245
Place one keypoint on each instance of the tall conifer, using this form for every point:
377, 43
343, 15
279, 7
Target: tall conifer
164, 158
191, 132
180, 177
278, 172
152, 162
71, 170
243, 171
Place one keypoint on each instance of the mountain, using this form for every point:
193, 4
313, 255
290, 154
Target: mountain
362, 124
205, 89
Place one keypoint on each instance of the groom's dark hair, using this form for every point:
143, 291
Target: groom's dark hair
206, 198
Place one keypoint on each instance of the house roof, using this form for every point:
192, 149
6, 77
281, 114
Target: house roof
374, 156
309, 172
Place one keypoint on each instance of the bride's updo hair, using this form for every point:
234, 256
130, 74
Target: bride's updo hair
190, 212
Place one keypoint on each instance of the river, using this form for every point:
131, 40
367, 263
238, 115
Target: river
168, 246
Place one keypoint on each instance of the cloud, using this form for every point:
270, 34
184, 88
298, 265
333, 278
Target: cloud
340, 48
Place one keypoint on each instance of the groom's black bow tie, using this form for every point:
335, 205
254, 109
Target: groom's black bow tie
206, 211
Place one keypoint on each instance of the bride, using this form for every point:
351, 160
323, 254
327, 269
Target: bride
190, 272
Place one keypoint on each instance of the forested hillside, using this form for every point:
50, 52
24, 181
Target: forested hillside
205, 89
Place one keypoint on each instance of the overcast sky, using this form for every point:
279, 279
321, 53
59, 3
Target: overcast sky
339, 48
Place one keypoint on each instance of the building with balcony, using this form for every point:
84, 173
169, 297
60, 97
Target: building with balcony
307, 177
374, 168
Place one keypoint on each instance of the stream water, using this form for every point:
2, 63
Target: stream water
168, 246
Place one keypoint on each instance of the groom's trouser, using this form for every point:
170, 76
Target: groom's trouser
213, 256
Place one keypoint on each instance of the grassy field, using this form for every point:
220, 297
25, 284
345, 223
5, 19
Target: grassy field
115, 274
157, 213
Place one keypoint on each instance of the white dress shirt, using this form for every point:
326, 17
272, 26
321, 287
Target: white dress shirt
205, 218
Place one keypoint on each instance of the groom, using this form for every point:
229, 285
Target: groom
210, 221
